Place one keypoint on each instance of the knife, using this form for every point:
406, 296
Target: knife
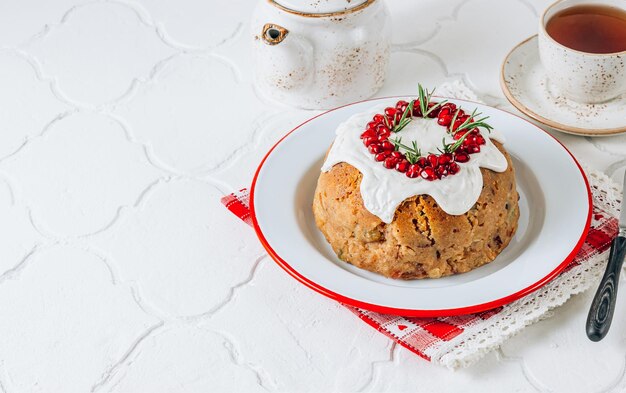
603, 304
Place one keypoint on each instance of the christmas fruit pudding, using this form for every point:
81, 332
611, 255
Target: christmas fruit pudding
422, 189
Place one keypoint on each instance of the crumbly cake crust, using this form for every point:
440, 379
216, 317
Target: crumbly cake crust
422, 241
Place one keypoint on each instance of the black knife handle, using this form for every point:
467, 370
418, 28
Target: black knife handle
603, 305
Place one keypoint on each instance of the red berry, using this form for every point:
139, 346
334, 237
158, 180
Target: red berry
422, 162
428, 173
442, 171
448, 107
375, 148
387, 146
380, 156
459, 134
444, 120
473, 149
444, 159
390, 162
382, 137
383, 132
417, 110
390, 112
480, 140
433, 160
402, 166
453, 168
368, 133
369, 140
380, 128
371, 126
401, 106
413, 171
433, 113
461, 157
378, 118
397, 155
460, 119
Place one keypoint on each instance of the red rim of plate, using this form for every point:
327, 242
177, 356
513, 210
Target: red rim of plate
406, 312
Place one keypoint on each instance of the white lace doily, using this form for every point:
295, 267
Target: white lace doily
538, 305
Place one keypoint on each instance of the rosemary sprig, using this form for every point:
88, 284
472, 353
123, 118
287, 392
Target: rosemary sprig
445, 146
456, 113
416, 149
468, 124
424, 97
405, 119
451, 147
387, 123
411, 153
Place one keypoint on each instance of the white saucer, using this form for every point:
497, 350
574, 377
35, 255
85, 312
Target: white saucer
526, 86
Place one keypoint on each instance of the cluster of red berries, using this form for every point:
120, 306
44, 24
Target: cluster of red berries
432, 166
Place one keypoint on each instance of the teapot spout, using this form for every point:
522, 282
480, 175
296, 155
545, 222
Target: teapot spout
284, 61
273, 34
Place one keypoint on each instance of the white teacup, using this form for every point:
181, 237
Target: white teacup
581, 76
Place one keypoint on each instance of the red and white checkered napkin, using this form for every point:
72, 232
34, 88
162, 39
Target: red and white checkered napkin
460, 340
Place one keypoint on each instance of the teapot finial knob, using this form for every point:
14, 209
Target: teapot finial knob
273, 34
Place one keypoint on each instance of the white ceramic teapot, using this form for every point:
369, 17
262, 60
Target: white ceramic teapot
319, 54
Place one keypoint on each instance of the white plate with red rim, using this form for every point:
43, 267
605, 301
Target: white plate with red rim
555, 212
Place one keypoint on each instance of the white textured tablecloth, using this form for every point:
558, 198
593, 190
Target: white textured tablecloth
121, 125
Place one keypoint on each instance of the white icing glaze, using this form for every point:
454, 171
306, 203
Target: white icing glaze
383, 189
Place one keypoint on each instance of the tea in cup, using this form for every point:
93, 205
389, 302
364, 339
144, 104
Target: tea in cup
582, 46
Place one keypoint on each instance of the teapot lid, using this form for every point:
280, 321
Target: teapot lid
321, 7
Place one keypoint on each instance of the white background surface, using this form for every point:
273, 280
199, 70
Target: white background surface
121, 125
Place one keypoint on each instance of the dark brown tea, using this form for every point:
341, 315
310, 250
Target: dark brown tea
590, 28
